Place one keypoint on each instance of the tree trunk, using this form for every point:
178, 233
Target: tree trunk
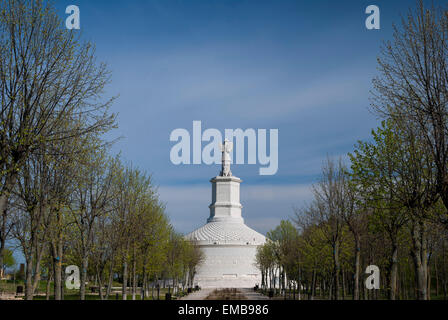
428, 272
336, 270
29, 279
57, 250
47, 292
313, 285
111, 275
57, 267
357, 267
437, 276
99, 277
63, 277
134, 274
393, 269
2, 239
144, 288
152, 290
83, 277
330, 289
124, 290
36, 279
420, 258
5, 193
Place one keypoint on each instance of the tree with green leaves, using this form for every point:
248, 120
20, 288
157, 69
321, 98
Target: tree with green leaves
8, 261
265, 260
285, 239
396, 177
154, 241
48, 78
194, 257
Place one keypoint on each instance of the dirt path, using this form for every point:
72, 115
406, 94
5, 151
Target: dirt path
198, 295
252, 295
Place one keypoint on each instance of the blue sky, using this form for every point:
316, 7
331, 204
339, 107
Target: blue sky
302, 67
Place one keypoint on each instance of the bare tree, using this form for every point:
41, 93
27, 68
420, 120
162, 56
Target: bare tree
327, 211
195, 258
90, 199
33, 211
354, 214
413, 84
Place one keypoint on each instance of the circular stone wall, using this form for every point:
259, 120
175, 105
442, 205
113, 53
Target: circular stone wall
228, 266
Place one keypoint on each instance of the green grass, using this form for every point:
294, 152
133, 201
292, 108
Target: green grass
89, 296
304, 296
10, 286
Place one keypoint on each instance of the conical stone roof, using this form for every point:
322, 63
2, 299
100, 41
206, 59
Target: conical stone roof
225, 232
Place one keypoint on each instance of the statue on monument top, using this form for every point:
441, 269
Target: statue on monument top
226, 148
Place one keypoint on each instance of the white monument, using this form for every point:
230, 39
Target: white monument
228, 244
